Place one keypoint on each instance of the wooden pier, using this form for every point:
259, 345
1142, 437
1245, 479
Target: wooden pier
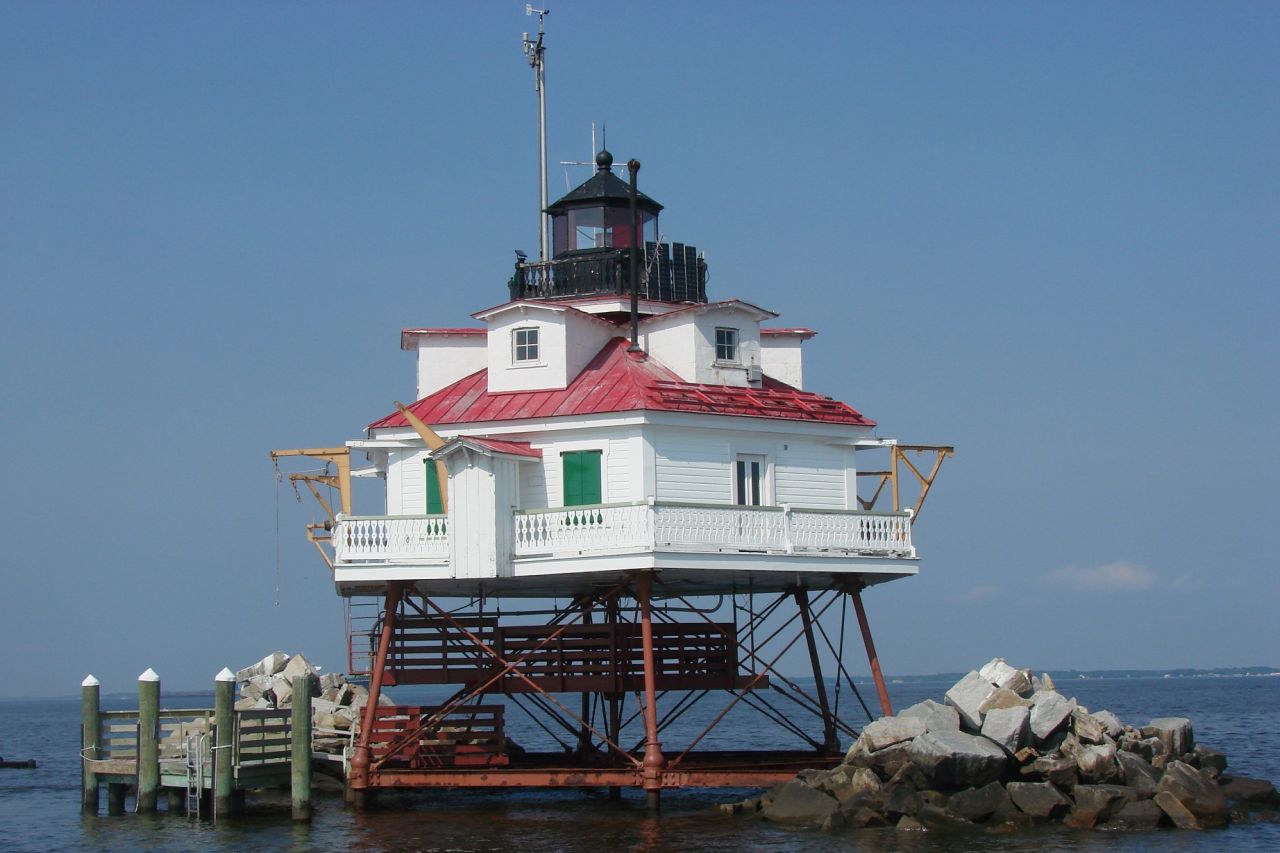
202, 761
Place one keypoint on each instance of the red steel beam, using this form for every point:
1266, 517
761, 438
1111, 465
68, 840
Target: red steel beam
360, 760
872, 658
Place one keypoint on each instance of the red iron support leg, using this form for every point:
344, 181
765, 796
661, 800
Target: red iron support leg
653, 760
881, 690
362, 758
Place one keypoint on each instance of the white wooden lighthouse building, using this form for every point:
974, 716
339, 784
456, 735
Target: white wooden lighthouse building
611, 438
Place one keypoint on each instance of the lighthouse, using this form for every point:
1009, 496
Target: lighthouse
613, 499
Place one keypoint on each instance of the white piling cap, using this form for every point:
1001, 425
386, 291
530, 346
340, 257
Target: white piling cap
89, 681
225, 675
149, 675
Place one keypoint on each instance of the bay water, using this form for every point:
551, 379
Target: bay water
39, 809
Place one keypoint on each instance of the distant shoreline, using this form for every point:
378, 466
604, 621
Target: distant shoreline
1059, 675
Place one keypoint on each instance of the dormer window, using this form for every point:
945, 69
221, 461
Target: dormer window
726, 345
524, 345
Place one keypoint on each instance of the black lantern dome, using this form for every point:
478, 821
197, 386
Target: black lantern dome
597, 214
593, 243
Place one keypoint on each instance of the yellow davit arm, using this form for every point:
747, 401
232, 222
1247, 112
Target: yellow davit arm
433, 442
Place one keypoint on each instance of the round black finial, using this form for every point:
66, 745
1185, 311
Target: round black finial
604, 161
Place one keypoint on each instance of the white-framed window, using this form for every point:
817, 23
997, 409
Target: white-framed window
524, 345
748, 480
726, 344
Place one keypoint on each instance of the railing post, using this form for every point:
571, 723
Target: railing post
787, 538
224, 691
148, 740
90, 742
300, 741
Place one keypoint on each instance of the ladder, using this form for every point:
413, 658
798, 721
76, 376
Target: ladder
193, 750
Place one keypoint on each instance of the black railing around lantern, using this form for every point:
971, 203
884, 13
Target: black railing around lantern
669, 272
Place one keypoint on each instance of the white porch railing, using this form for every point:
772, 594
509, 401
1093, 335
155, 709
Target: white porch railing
630, 527
391, 538
624, 527
653, 526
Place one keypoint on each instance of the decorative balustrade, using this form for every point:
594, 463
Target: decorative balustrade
631, 527
711, 527
390, 538
612, 527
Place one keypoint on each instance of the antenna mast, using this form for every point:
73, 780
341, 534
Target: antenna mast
536, 52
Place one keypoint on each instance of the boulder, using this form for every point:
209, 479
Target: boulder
1239, 789
1209, 759
283, 691
1176, 811
885, 762
1008, 728
1049, 709
1149, 749
1110, 723
967, 696
1038, 799
1196, 790
1098, 763
907, 823
1086, 728
978, 804
795, 802
887, 731
1136, 816
937, 717
1003, 697
863, 817
269, 665
1138, 774
1080, 819
936, 817
1004, 676
1103, 800
1058, 769
249, 704
901, 798
957, 760
299, 665
1174, 732
846, 783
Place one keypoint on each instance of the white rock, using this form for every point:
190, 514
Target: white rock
967, 696
937, 717
887, 731
1048, 710
1008, 728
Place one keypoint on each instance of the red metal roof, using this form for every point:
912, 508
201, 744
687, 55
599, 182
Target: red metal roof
514, 448
621, 381
456, 330
804, 333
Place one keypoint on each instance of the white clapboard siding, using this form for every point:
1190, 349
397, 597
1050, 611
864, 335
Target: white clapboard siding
541, 484
811, 475
412, 482
692, 468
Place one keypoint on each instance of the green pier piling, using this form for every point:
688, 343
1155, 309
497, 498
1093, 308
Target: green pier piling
90, 742
224, 693
148, 740
301, 744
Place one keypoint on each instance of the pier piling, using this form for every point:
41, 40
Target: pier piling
148, 740
301, 747
224, 693
90, 742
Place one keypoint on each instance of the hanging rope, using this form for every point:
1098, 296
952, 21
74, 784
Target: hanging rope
279, 477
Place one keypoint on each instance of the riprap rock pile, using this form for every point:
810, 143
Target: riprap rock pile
336, 704
1006, 750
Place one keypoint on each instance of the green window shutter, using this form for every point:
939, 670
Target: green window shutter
434, 505
581, 477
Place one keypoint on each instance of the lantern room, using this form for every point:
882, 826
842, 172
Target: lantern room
597, 215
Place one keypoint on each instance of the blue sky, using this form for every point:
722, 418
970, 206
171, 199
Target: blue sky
1044, 233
